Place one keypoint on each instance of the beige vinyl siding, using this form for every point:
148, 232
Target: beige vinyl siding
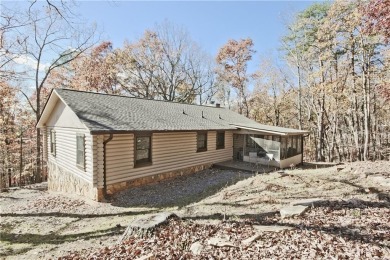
119, 156
238, 141
66, 151
45, 135
170, 151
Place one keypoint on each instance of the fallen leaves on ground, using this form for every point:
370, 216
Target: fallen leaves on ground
335, 229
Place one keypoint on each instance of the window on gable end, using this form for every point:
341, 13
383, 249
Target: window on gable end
53, 142
80, 151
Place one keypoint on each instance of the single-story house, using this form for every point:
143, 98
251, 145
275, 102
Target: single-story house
97, 144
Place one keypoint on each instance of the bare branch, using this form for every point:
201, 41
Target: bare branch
28, 100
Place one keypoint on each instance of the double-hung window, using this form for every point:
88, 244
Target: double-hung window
143, 145
53, 142
220, 140
80, 151
201, 141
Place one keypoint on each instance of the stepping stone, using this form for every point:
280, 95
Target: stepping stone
290, 211
262, 229
250, 240
219, 242
151, 221
196, 248
307, 202
143, 225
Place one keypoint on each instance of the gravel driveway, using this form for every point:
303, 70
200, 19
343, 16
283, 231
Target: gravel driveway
179, 191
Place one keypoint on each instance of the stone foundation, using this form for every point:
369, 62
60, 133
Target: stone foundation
114, 188
60, 179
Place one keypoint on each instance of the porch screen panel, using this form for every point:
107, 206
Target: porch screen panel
275, 147
294, 146
283, 148
263, 145
289, 146
299, 145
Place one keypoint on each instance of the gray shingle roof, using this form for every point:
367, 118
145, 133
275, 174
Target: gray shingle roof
111, 113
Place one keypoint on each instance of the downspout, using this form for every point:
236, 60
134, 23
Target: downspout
104, 166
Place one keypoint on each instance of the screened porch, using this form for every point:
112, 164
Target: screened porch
274, 150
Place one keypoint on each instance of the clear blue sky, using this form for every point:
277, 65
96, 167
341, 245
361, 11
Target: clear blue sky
210, 23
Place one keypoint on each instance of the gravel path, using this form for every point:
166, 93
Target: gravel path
180, 191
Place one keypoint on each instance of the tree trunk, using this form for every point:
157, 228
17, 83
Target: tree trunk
38, 168
320, 118
374, 128
366, 110
299, 98
21, 157
355, 125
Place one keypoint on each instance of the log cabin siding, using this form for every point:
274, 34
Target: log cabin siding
170, 151
66, 151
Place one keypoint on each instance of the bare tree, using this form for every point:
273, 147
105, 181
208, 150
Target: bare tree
94, 70
232, 59
51, 39
272, 99
340, 69
11, 21
200, 74
165, 64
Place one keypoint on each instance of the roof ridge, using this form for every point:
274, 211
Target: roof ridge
138, 98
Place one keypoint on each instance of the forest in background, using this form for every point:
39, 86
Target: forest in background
334, 80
